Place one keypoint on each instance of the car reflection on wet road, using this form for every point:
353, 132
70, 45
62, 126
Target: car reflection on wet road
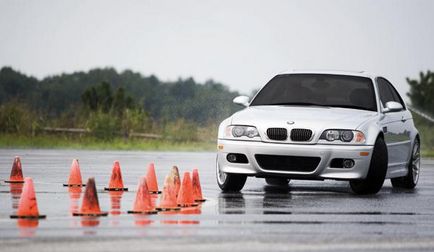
307, 215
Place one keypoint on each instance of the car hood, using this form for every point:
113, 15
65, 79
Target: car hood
315, 118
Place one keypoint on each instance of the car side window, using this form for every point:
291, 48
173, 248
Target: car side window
396, 96
386, 94
392, 91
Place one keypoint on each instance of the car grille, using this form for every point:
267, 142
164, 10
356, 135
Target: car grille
301, 135
287, 163
279, 134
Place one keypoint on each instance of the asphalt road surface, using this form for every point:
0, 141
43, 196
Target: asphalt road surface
306, 216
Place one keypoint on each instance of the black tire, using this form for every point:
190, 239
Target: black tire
377, 171
277, 181
410, 180
230, 182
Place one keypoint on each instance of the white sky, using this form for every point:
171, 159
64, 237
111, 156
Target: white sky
239, 43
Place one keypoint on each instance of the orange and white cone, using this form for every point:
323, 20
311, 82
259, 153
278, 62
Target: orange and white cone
143, 202
185, 197
16, 172
197, 189
75, 175
116, 183
151, 179
90, 204
168, 197
28, 206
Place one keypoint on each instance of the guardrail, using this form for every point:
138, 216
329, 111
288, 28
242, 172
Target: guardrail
86, 131
424, 115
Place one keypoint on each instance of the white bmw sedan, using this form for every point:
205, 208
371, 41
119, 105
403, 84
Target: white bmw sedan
321, 125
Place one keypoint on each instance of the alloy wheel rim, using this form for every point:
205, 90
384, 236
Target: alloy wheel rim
415, 164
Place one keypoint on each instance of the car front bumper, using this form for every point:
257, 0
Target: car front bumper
322, 171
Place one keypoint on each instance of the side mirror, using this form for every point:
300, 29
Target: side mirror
242, 100
392, 107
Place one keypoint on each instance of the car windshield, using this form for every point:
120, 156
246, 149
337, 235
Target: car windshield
318, 90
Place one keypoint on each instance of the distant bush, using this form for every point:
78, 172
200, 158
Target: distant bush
17, 118
181, 130
103, 125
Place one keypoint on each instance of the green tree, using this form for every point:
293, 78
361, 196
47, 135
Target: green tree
422, 92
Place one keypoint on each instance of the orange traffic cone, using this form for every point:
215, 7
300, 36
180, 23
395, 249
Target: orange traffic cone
75, 175
185, 197
16, 172
143, 203
151, 179
168, 198
197, 189
90, 205
28, 207
174, 173
116, 183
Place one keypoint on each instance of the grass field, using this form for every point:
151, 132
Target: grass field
71, 142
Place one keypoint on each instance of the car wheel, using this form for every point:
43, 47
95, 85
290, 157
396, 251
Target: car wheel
277, 181
377, 171
410, 180
230, 182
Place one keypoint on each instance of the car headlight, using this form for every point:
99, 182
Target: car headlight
346, 136
239, 131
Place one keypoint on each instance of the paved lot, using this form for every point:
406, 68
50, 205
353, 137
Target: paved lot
320, 215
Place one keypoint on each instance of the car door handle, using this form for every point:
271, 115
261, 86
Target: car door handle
403, 119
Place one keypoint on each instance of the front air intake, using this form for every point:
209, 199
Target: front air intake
279, 134
301, 135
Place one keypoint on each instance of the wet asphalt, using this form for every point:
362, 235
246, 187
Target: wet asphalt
305, 216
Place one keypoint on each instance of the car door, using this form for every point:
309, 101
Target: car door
395, 129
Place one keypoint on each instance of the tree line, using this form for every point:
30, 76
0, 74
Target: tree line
106, 100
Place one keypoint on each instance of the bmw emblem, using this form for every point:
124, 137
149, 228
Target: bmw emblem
290, 122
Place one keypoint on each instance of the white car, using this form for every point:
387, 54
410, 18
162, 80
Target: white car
321, 125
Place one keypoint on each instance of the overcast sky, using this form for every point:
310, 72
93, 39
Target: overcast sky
239, 43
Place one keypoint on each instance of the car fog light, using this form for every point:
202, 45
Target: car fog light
348, 163
232, 158
237, 158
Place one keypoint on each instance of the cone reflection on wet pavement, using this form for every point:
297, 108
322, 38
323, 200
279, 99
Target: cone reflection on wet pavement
142, 220
174, 174
143, 202
116, 183
75, 175
90, 204
115, 200
197, 189
27, 227
168, 197
168, 219
15, 189
28, 206
190, 211
74, 197
185, 197
16, 172
151, 179
89, 221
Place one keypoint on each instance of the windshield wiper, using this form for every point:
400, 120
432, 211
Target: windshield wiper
348, 106
299, 104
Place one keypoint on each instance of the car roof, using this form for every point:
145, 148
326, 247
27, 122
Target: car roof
334, 72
